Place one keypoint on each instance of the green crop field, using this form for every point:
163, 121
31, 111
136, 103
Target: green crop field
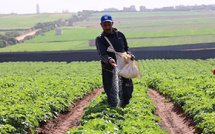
141, 29
188, 83
27, 21
34, 92
72, 39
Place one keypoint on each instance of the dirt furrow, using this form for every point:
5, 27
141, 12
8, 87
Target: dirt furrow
65, 122
172, 117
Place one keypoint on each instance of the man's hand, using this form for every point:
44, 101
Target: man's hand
132, 57
112, 62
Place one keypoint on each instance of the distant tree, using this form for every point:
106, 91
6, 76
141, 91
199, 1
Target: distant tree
81, 16
29, 37
8, 39
84, 14
39, 26
12, 34
3, 37
39, 32
2, 44
47, 26
74, 18
12, 41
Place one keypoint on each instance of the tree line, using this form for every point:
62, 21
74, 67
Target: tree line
10, 37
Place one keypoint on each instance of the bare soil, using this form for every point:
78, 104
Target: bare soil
172, 117
66, 121
21, 37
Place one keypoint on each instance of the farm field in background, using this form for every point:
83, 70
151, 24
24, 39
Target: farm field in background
73, 38
26, 21
21, 23
142, 29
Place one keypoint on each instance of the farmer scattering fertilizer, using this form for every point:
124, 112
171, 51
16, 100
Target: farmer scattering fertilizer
110, 45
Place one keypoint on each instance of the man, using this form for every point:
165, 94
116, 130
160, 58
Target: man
108, 61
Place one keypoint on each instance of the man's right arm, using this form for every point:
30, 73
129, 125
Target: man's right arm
102, 50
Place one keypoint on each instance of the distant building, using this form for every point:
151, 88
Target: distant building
92, 43
143, 9
129, 9
58, 32
195, 7
168, 8
111, 10
65, 11
38, 9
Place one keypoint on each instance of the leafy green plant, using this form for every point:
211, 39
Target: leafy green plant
33, 92
188, 83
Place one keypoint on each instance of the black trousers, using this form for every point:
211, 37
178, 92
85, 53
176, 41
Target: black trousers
125, 89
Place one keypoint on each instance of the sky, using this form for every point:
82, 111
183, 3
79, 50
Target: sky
57, 6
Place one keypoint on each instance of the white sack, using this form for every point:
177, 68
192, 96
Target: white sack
130, 70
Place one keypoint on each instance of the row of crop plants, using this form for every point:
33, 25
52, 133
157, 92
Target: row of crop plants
188, 83
136, 118
33, 92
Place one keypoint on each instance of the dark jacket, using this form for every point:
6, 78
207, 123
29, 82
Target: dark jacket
119, 43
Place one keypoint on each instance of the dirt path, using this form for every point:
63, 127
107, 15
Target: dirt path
173, 118
21, 37
65, 122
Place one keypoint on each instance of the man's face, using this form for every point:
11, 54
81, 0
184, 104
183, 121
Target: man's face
107, 26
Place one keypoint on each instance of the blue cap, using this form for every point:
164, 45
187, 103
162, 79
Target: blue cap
106, 17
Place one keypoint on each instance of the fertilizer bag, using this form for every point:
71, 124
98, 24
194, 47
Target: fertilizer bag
125, 65
130, 70
122, 59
